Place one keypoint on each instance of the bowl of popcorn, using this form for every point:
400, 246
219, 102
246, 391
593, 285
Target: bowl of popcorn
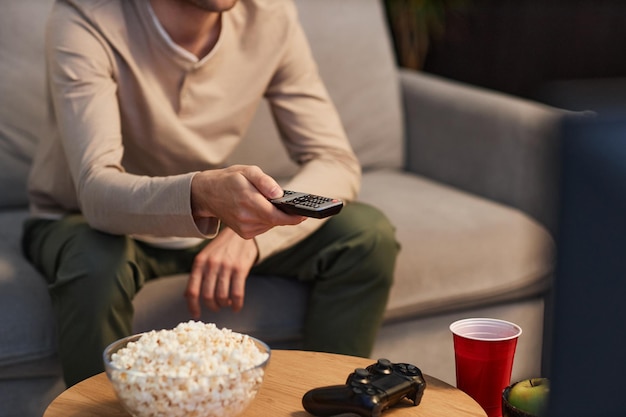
193, 370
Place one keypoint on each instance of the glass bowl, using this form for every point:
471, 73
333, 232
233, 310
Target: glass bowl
168, 394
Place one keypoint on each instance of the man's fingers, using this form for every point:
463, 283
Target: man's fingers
222, 289
219, 273
209, 284
192, 293
237, 291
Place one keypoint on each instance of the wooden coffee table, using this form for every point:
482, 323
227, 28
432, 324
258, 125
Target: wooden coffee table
289, 375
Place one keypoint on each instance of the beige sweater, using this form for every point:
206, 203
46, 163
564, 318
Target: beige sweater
136, 118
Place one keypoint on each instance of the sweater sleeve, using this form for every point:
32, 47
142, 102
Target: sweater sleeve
313, 135
83, 88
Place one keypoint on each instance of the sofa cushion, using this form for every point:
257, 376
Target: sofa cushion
160, 304
22, 93
458, 250
27, 326
351, 43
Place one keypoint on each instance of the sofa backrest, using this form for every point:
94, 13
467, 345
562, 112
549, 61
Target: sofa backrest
22, 93
349, 39
353, 48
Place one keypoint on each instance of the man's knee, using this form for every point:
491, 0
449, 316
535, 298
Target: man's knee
380, 235
373, 227
371, 239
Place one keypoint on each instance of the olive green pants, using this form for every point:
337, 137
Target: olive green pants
93, 277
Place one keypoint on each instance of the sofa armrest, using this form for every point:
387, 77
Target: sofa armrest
497, 146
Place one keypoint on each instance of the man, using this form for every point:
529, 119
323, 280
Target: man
149, 97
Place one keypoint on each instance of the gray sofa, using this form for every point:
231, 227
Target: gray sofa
466, 175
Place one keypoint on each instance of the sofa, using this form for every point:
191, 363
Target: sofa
467, 176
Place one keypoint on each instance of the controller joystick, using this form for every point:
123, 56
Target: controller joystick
368, 391
360, 375
382, 366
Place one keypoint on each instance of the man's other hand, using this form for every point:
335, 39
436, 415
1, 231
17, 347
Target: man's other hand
219, 272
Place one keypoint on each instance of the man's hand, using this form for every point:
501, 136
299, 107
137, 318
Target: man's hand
238, 196
219, 272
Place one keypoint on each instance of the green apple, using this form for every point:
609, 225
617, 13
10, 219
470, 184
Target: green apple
531, 396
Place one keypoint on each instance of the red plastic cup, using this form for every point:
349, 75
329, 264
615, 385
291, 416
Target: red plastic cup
484, 350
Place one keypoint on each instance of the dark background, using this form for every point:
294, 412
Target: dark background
564, 52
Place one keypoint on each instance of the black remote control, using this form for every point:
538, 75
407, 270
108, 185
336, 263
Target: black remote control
368, 391
309, 205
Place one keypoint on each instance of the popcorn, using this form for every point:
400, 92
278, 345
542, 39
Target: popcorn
193, 370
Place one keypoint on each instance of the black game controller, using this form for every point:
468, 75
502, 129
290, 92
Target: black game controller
368, 391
